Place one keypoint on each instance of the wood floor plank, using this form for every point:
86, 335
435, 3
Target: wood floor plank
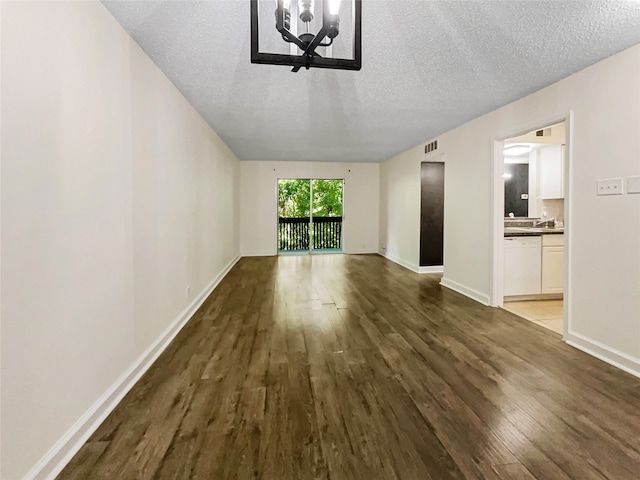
339, 451
276, 443
85, 460
514, 471
302, 423
339, 367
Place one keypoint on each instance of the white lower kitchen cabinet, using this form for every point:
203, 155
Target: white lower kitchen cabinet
522, 265
553, 264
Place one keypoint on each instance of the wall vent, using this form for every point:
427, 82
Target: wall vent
430, 147
545, 132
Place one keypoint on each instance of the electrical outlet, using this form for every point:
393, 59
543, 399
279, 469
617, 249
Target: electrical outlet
188, 292
610, 186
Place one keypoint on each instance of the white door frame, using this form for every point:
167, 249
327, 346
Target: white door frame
497, 271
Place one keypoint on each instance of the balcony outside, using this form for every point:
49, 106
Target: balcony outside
309, 215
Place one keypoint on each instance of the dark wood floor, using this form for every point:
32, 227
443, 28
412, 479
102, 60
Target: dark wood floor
351, 367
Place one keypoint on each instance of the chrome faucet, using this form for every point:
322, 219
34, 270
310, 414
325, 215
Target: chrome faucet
549, 222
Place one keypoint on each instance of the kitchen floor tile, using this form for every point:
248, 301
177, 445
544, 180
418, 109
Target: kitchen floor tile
555, 325
547, 313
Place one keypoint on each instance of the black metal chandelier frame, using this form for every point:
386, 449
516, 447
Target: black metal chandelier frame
308, 43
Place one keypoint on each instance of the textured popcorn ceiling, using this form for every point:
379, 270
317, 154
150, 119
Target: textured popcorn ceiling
428, 66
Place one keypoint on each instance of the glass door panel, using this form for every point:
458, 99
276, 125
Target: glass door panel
294, 212
326, 203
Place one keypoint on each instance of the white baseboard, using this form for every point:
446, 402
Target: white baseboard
52, 463
362, 251
483, 298
399, 261
433, 269
607, 354
411, 266
540, 296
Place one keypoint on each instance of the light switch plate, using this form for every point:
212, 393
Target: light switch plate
633, 184
610, 186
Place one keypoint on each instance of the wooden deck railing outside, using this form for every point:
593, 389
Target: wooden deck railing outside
293, 233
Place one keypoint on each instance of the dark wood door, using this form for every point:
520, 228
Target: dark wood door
432, 214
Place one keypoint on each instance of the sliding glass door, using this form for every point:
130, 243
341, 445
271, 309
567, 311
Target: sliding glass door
309, 215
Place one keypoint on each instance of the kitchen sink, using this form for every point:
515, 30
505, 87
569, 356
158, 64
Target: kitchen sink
533, 230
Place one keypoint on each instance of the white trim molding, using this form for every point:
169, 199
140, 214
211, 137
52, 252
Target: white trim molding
483, 298
411, 266
361, 251
52, 463
399, 261
433, 269
602, 352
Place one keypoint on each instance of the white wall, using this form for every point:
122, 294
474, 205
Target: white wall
258, 204
605, 281
399, 218
115, 196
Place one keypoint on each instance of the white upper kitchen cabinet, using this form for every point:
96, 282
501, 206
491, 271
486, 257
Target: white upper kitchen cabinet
551, 171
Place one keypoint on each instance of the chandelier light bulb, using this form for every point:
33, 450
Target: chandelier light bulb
334, 6
305, 7
286, 4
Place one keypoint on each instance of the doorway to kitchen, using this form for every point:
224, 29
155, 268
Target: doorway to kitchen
310, 216
532, 275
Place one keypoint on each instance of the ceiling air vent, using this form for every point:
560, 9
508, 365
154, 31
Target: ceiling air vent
430, 147
545, 132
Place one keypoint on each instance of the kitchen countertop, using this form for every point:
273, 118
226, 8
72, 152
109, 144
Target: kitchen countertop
531, 231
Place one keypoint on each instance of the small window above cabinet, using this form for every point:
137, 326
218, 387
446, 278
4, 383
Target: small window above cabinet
551, 171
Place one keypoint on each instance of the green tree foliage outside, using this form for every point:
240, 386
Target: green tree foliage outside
294, 198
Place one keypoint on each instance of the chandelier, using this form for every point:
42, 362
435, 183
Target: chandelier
292, 42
